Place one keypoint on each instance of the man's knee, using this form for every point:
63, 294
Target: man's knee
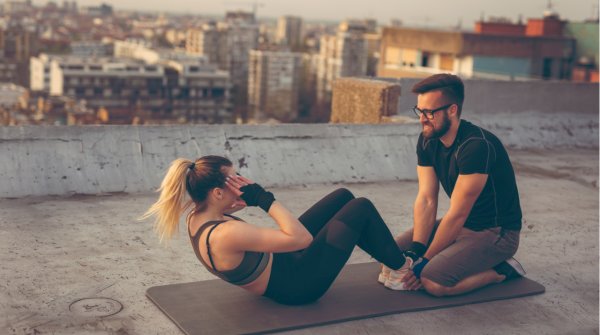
434, 288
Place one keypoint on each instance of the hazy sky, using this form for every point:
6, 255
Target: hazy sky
415, 12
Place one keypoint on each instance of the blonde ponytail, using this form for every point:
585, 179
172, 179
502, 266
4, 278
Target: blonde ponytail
171, 203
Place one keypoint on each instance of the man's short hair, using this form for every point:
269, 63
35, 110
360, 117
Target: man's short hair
452, 88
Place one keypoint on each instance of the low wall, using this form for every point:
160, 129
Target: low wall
98, 159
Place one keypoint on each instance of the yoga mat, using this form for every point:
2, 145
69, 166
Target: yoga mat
216, 307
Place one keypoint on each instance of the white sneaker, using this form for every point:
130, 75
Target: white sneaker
384, 274
393, 281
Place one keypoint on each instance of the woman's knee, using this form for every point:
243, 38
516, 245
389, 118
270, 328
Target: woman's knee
363, 204
343, 193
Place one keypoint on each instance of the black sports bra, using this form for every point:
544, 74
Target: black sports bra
253, 264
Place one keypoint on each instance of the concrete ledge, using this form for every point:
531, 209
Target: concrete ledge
98, 159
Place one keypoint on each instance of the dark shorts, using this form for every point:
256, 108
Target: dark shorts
472, 252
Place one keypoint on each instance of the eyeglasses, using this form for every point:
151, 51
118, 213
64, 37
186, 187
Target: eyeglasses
428, 113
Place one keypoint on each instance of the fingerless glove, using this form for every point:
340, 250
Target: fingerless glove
255, 195
418, 248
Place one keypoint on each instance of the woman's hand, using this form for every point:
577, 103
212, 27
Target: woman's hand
253, 194
239, 204
235, 182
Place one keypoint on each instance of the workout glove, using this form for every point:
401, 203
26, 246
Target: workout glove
255, 195
416, 252
418, 266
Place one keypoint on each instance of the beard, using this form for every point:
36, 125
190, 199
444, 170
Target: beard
433, 133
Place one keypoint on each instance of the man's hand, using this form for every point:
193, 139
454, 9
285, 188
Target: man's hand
411, 282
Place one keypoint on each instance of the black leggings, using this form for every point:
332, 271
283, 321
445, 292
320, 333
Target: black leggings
337, 222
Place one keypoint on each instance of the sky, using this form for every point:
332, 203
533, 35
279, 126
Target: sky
411, 13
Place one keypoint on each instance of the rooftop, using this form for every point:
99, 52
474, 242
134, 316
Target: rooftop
57, 250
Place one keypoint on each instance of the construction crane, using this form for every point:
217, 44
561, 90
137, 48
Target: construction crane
253, 4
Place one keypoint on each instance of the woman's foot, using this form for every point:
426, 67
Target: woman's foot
394, 280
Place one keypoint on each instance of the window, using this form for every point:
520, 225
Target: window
547, 69
425, 59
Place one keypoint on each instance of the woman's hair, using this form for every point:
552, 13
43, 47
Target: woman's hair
196, 178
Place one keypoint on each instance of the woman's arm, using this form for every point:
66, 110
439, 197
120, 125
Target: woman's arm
290, 236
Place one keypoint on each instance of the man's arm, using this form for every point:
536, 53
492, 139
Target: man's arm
465, 193
425, 208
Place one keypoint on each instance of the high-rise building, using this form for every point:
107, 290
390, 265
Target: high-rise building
289, 31
274, 84
228, 44
17, 45
204, 41
342, 55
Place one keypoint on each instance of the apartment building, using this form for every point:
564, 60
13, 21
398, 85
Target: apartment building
182, 90
496, 50
274, 84
289, 31
342, 55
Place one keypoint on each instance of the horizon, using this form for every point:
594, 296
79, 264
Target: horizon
312, 10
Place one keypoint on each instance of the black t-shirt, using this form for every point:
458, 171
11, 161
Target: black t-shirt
476, 150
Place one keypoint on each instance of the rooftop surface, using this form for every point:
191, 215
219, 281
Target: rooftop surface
57, 250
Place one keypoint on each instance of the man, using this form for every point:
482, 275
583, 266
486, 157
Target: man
472, 244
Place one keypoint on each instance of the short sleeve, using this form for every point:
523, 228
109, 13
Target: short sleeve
423, 156
476, 156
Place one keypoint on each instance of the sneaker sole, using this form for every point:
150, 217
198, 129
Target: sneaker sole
394, 287
516, 265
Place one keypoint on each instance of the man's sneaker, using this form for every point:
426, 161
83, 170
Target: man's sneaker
510, 268
384, 274
393, 281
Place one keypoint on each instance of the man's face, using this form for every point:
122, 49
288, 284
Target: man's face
439, 125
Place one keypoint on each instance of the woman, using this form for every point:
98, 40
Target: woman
294, 264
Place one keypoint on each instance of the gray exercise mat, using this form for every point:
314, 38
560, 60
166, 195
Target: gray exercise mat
216, 307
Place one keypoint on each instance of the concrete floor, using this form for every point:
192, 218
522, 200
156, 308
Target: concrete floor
57, 250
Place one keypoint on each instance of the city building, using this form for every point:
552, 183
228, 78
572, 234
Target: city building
39, 70
274, 84
12, 95
128, 89
8, 71
228, 44
12, 99
585, 34
289, 31
342, 55
17, 45
204, 41
12, 7
496, 50
91, 49
307, 108
99, 11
